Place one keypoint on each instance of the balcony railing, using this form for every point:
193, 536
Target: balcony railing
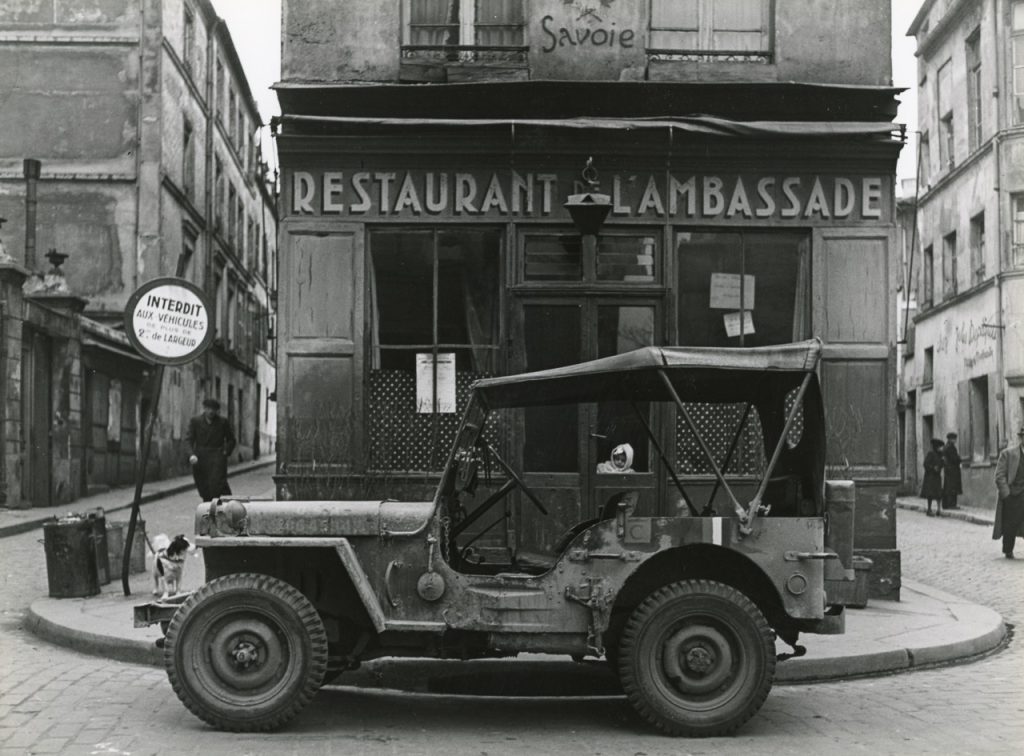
467, 53
710, 56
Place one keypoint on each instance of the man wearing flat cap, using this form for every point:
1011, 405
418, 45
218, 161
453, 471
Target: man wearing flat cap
211, 441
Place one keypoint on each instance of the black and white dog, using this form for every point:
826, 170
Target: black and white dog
168, 563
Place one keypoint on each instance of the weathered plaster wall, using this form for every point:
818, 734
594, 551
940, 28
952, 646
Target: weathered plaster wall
92, 222
322, 40
816, 41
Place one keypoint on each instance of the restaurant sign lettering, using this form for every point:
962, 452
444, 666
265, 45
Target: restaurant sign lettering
802, 198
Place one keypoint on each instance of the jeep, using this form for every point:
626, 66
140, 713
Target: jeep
684, 597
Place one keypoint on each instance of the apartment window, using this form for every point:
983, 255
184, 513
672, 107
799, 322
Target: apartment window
979, 427
973, 91
231, 320
189, 38
231, 214
218, 88
1017, 219
218, 291
218, 189
928, 368
188, 251
1017, 42
924, 164
188, 159
947, 140
927, 430
949, 265
438, 24
978, 248
712, 29
250, 237
240, 232
229, 114
928, 273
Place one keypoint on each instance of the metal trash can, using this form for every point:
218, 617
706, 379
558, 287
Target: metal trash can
71, 564
98, 520
116, 532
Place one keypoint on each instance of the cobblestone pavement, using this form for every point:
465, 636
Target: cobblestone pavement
56, 701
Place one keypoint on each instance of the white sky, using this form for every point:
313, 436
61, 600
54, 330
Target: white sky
255, 27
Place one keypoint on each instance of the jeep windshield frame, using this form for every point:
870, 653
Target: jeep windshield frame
758, 377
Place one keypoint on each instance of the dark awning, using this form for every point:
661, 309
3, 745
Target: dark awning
740, 101
706, 125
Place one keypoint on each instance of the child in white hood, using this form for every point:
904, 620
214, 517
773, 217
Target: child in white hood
621, 460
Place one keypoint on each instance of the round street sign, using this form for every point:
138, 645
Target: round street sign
168, 320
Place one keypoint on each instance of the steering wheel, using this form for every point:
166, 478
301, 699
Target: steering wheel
515, 477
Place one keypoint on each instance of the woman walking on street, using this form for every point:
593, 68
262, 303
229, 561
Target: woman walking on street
931, 486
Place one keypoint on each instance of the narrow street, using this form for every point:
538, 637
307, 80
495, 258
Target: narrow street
53, 700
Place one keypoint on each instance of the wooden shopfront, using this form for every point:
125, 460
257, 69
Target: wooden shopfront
417, 257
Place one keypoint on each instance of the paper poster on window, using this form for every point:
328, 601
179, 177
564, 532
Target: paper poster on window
725, 291
732, 323
425, 377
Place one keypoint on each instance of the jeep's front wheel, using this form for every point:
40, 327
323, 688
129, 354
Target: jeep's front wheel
697, 658
246, 652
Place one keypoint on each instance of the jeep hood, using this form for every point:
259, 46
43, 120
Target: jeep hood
324, 519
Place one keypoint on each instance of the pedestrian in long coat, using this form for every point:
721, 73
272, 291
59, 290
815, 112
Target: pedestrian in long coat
931, 486
952, 483
211, 441
1009, 524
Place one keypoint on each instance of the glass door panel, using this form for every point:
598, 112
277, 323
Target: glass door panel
552, 336
621, 453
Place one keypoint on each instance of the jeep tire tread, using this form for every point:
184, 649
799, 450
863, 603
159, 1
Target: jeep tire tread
697, 658
246, 652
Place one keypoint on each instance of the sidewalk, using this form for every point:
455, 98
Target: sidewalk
927, 627
14, 521
975, 515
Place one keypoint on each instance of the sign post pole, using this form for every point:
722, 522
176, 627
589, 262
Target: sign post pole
168, 321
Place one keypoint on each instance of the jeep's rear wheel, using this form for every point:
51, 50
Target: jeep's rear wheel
246, 652
697, 658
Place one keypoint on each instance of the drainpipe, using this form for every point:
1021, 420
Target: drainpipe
1001, 112
32, 170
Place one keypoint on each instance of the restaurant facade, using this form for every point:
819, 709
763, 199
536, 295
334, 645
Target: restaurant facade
425, 244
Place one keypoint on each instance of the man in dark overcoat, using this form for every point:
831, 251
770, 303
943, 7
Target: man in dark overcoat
952, 483
211, 441
1009, 524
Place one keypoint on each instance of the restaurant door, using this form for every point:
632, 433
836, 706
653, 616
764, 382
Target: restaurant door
566, 450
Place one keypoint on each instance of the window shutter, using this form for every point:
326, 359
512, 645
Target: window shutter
963, 417
994, 420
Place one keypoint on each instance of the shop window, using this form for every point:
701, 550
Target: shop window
450, 27
928, 274
769, 273
1017, 245
978, 248
620, 258
733, 30
949, 265
1017, 42
973, 91
979, 427
928, 368
434, 325
947, 137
